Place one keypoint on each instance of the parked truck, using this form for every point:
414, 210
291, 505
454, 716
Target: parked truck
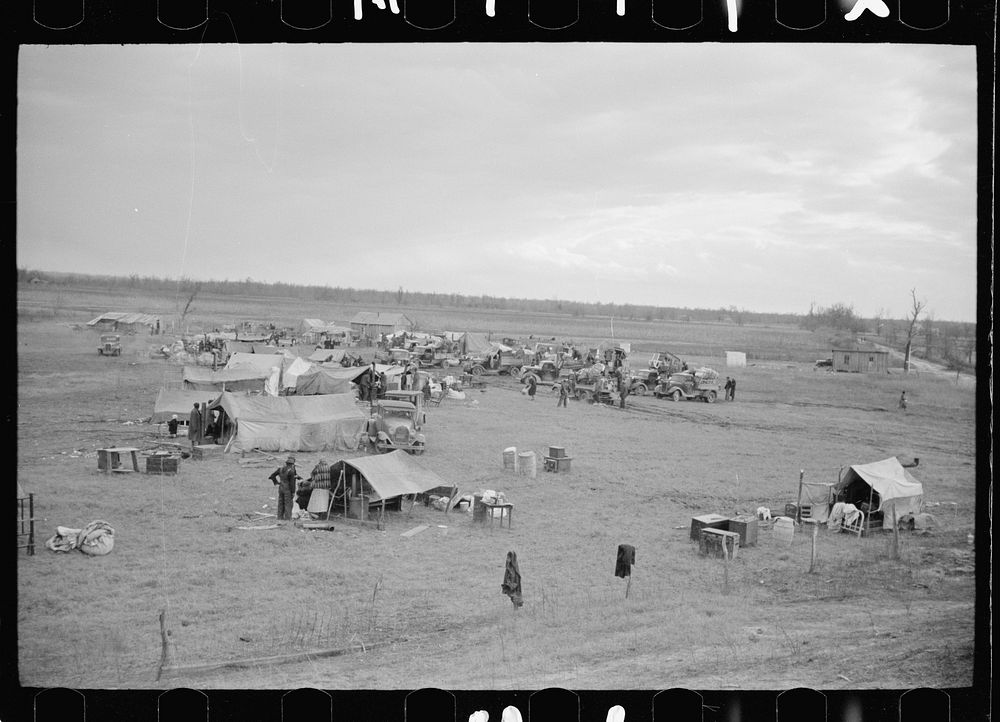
701, 384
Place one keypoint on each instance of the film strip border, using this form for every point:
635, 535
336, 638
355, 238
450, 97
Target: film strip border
547, 705
553, 20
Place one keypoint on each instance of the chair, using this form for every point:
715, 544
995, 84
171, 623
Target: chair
436, 398
855, 527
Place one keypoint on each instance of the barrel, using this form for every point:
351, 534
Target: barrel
526, 463
784, 529
510, 458
478, 508
557, 452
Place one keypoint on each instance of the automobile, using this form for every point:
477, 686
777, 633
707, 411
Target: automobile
545, 371
111, 345
395, 425
414, 397
824, 363
702, 384
642, 382
666, 363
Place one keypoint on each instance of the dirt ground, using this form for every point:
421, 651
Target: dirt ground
861, 620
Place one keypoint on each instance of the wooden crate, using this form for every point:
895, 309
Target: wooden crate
707, 521
162, 464
711, 543
746, 527
207, 451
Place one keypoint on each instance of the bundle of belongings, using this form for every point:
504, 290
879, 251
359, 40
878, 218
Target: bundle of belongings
96, 539
842, 515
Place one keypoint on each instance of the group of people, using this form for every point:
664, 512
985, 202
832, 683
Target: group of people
730, 389
202, 424
287, 480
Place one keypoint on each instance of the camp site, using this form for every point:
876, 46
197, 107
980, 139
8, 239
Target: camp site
810, 506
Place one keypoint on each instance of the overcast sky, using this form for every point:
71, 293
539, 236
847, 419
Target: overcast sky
703, 175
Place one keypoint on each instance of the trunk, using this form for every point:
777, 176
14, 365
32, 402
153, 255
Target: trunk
906, 357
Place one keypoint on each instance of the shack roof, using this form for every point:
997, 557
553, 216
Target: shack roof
125, 317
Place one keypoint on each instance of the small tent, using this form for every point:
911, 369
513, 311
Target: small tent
326, 381
292, 372
736, 359
386, 476
886, 485
179, 401
474, 343
293, 423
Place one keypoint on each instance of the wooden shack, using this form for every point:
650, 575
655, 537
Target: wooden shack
860, 360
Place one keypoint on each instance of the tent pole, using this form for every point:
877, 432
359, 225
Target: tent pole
868, 519
798, 502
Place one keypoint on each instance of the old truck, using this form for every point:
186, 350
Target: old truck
396, 425
701, 384
496, 360
111, 345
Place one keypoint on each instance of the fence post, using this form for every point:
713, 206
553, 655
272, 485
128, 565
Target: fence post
166, 653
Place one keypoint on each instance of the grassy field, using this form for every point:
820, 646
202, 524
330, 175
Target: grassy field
426, 610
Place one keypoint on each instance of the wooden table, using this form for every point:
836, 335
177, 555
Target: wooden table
508, 508
110, 459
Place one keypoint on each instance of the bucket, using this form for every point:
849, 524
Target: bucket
526, 463
510, 458
784, 529
478, 508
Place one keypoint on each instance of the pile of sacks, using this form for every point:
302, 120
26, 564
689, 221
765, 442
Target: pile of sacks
96, 539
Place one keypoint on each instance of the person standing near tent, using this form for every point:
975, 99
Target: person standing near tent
194, 426
284, 478
172, 427
563, 393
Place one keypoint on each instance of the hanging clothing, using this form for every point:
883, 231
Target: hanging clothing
511, 585
626, 558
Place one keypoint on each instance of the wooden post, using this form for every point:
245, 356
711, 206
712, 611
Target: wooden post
895, 531
812, 556
628, 585
868, 518
166, 653
798, 501
725, 565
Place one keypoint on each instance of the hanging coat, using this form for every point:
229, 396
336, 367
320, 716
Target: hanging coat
626, 558
512, 580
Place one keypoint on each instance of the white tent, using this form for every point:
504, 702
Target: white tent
390, 475
891, 488
292, 372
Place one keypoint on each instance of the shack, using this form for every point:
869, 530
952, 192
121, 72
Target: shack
372, 324
860, 359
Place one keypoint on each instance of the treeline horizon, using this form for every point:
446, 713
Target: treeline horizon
838, 316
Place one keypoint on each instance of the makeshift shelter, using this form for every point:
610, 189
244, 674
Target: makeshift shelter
197, 378
292, 423
862, 359
883, 490
326, 355
474, 343
327, 381
373, 323
122, 321
383, 477
736, 359
179, 401
292, 372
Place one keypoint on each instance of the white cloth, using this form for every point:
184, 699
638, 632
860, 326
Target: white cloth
841, 514
319, 500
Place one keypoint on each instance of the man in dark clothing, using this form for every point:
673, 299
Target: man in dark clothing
732, 389
622, 388
284, 478
172, 427
194, 426
563, 393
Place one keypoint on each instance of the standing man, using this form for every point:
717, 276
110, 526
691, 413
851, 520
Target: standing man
194, 427
172, 427
725, 388
622, 389
284, 478
532, 387
732, 389
563, 393
902, 401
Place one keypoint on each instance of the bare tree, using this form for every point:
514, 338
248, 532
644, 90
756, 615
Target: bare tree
913, 316
190, 301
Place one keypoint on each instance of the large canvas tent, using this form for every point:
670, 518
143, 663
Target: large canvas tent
891, 489
474, 343
178, 401
325, 381
198, 378
386, 476
293, 423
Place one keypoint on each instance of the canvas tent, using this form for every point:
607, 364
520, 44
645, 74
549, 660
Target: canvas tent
326, 355
736, 359
295, 369
198, 378
178, 401
293, 423
891, 489
474, 343
386, 476
326, 381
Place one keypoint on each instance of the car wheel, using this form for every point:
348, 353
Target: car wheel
418, 448
711, 397
640, 389
477, 370
515, 372
581, 394
676, 395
